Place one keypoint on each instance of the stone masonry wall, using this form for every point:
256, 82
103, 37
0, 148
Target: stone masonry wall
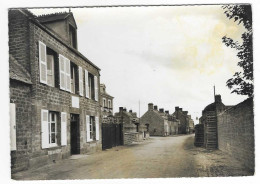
55, 99
24, 38
236, 132
156, 123
20, 94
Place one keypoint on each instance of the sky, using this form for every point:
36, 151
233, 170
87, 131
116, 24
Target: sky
168, 55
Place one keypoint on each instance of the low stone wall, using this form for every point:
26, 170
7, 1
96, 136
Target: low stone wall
236, 132
130, 137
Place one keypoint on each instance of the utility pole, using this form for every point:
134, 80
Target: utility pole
214, 92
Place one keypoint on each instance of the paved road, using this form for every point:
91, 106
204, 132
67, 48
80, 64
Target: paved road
158, 157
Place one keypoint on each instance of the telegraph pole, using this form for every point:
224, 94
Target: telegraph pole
214, 92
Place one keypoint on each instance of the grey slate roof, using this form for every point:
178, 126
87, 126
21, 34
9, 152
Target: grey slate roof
18, 72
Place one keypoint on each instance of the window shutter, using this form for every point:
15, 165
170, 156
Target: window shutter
42, 63
63, 128
45, 129
80, 81
96, 88
62, 72
88, 128
86, 84
13, 126
97, 128
68, 86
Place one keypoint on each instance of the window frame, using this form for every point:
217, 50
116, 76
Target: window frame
50, 132
92, 129
104, 102
52, 66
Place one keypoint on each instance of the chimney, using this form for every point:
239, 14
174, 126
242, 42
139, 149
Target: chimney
167, 112
176, 108
120, 109
124, 109
180, 109
130, 111
155, 107
185, 113
218, 98
150, 106
161, 110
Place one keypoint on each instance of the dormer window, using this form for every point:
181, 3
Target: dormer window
73, 38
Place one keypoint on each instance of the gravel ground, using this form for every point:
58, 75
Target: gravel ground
158, 157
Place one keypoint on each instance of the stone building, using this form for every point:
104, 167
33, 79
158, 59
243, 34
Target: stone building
159, 122
230, 129
54, 91
106, 102
209, 121
191, 125
185, 120
132, 128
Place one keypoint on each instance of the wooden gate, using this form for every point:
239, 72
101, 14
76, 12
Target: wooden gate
112, 135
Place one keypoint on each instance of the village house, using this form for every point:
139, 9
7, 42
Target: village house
54, 91
209, 122
228, 128
191, 125
133, 130
185, 120
159, 123
106, 102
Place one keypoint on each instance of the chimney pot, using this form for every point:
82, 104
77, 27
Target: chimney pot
120, 109
150, 106
218, 98
155, 107
161, 110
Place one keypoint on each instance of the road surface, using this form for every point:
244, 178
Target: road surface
158, 157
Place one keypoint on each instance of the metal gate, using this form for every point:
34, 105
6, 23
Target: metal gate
112, 135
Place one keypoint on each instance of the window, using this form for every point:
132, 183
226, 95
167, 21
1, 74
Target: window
109, 104
72, 35
91, 86
73, 78
47, 65
51, 55
104, 102
52, 128
92, 128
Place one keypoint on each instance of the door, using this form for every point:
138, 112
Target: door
74, 134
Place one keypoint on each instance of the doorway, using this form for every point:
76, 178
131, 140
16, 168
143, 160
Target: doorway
74, 134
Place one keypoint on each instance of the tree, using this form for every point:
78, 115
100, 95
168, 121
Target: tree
241, 82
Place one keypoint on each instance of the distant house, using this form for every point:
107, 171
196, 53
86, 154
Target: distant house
185, 121
209, 122
133, 130
191, 125
106, 104
159, 123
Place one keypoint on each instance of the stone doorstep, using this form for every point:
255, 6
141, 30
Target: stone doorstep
79, 156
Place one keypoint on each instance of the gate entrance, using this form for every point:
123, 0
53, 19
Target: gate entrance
74, 134
112, 135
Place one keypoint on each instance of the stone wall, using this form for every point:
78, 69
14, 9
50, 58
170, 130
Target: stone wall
20, 95
236, 132
156, 123
24, 38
